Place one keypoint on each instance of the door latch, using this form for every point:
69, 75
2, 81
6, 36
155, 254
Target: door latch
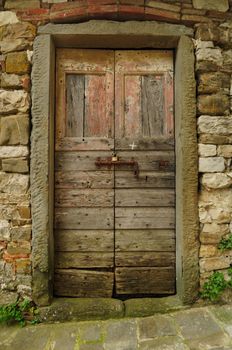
116, 161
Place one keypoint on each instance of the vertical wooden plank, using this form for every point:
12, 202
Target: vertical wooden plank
152, 105
96, 122
75, 87
132, 106
168, 92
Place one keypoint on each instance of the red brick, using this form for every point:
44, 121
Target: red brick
103, 11
161, 15
68, 5
68, 15
130, 12
102, 2
34, 15
11, 257
132, 2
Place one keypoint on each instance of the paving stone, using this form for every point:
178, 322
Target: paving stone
121, 335
91, 347
64, 337
90, 332
157, 326
199, 328
169, 343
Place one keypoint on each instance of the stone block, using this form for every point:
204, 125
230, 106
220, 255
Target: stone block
130, 12
161, 15
213, 233
68, 12
4, 230
21, 233
13, 151
10, 45
18, 63
215, 263
217, 180
211, 164
21, 4
22, 30
207, 150
207, 32
227, 60
225, 151
208, 251
15, 165
216, 104
35, 16
127, 2
23, 266
164, 343
215, 139
215, 82
209, 59
121, 333
14, 101
215, 125
14, 183
14, 130
194, 19
19, 248
91, 333
13, 81
8, 17
221, 6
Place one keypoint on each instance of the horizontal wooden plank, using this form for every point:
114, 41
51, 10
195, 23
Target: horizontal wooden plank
82, 160
150, 160
137, 218
145, 280
84, 218
145, 144
155, 259
144, 197
126, 179
66, 260
84, 144
84, 198
83, 240
84, 179
83, 283
145, 240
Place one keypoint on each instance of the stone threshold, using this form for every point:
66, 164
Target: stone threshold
83, 309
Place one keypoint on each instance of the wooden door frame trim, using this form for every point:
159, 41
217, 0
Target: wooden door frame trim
109, 34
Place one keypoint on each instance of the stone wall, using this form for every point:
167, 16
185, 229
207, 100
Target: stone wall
19, 19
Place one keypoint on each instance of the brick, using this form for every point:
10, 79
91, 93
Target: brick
132, 12
162, 15
12, 257
69, 5
192, 19
68, 14
21, 4
17, 62
163, 6
131, 2
34, 15
105, 2
103, 11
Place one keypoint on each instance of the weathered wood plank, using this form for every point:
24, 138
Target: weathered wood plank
153, 105
145, 280
75, 87
95, 121
84, 240
83, 160
169, 94
142, 218
145, 240
159, 143
84, 218
84, 179
67, 260
144, 197
126, 179
132, 106
84, 144
83, 283
150, 160
141, 259
84, 198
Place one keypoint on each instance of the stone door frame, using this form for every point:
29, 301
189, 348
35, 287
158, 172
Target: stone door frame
114, 35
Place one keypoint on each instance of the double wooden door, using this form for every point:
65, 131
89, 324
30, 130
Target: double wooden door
114, 173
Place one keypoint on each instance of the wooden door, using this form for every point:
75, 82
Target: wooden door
114, 232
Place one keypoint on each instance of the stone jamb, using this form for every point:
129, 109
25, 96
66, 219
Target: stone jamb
109, 34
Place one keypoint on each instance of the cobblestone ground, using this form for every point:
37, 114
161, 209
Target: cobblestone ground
195, 329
